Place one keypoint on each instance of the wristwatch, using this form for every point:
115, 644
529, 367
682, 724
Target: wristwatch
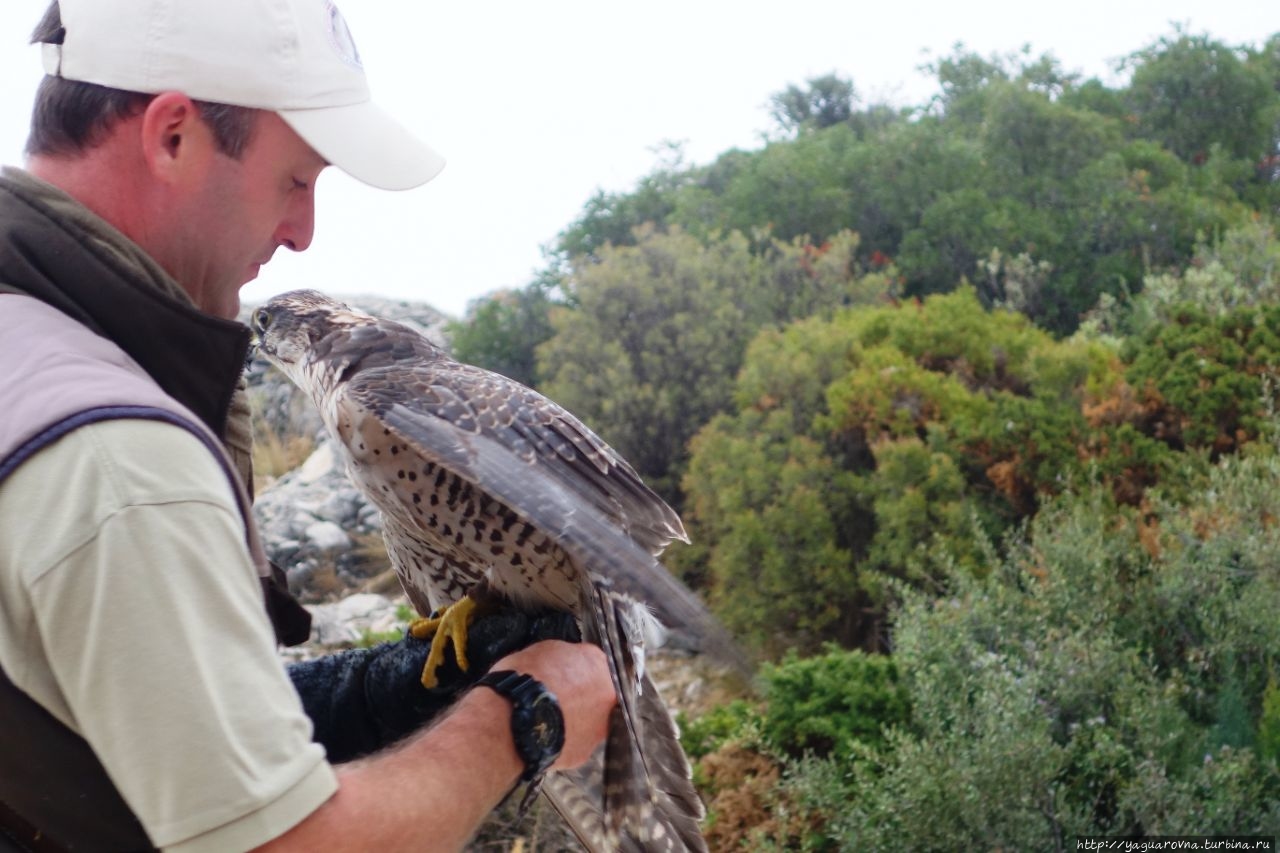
536, 723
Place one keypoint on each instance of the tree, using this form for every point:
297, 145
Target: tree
798, 188
863, 444
1192, 93
964, 77
1104, 186
610, 218
648, 354
1036, 145
829, 100
658, 331
502, 331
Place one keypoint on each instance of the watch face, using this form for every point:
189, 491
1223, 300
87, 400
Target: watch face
537, 724
547, 725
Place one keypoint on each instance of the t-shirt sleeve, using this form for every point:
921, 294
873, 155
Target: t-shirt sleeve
150, 618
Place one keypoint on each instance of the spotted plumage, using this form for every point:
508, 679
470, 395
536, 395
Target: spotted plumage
481, 480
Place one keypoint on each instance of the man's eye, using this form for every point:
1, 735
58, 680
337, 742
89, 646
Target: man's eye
300, 185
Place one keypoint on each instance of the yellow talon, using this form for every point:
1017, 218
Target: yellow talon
451, 623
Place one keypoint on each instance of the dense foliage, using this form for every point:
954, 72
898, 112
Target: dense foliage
1115, 673
503, 330
1056, 197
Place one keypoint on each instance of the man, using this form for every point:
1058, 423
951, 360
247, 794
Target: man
175, 146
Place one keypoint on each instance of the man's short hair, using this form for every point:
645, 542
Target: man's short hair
71, 116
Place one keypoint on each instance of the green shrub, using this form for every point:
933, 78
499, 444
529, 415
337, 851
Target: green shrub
1111, 675
863, 445
825, 704
707, 733
1269, 723
1205, 373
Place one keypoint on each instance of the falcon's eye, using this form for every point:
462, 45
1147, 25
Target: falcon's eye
262, 319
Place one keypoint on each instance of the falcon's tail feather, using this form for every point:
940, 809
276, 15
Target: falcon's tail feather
637, 794
667, 822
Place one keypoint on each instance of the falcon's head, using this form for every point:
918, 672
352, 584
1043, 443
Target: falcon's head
291, 329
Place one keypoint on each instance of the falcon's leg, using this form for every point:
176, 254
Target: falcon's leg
448, 623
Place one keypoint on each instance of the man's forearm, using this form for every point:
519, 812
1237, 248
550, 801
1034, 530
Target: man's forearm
429, 793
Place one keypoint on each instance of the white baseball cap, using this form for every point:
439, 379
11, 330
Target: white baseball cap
293, 57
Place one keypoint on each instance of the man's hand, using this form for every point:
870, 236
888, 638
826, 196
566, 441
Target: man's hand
579, 676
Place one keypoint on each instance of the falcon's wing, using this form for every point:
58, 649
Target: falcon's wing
535, 430
541, 462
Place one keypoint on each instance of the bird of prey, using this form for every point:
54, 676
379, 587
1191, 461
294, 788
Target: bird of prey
487, 487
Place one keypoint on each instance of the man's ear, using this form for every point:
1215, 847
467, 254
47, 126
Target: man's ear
176, 144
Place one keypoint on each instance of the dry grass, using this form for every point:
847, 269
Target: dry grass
370, 551
275, 455
324, 584
740, 785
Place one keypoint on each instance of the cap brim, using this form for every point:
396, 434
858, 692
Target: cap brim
368, 144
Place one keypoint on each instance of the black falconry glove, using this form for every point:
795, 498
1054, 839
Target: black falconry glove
362, 700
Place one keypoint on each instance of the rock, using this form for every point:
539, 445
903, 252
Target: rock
362, 605
348, 622
327, 536
312, 520
319, 464
327, 629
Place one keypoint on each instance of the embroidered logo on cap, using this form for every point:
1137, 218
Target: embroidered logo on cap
340, 36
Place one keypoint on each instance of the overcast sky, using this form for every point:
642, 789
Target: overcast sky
536, 105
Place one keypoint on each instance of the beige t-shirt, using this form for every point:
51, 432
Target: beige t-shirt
130, 610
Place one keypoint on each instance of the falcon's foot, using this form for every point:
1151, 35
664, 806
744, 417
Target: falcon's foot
445, 625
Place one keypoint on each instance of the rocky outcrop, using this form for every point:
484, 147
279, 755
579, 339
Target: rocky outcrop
320, 529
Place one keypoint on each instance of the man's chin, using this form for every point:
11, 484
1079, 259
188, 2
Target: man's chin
227, 308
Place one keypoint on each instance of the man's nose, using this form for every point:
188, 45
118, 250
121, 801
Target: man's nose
299, 224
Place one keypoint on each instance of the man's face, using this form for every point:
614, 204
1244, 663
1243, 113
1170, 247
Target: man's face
245, 210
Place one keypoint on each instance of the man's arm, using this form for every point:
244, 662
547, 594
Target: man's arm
433, 791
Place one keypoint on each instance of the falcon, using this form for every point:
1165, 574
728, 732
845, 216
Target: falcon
487, 488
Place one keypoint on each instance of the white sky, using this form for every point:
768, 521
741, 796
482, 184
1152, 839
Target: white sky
537, 105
